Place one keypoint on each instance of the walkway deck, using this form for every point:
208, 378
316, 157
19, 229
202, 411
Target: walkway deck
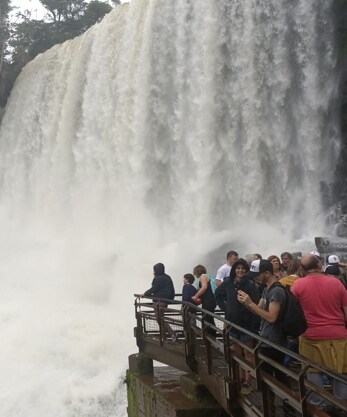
206, 351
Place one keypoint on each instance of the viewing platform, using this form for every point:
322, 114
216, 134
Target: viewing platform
202, 376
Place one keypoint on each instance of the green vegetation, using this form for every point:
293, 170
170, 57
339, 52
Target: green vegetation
22, 40
132, 405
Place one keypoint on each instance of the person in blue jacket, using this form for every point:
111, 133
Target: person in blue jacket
188, 290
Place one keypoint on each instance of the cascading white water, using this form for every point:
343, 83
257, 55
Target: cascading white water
165, 131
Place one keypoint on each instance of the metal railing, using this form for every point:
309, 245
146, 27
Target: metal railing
205, 347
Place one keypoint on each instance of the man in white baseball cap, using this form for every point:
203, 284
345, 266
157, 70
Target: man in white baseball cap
269, 310
333, 259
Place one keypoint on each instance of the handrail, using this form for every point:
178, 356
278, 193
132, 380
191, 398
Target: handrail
211, 357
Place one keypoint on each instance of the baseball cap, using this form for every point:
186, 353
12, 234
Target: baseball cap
261, 265
332, 270
333, 259
315, 253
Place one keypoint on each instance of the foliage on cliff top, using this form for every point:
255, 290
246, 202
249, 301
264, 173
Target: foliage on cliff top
22, 40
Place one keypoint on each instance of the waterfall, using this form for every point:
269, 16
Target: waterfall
167, 130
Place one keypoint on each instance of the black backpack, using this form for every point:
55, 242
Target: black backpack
292, 318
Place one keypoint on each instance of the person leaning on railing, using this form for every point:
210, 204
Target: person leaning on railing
162, 287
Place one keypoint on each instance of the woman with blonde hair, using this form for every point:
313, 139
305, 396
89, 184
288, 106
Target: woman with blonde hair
294, 271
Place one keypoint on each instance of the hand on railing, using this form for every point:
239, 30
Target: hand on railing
154, 298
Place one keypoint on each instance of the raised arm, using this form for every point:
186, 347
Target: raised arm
274, 307
204, 284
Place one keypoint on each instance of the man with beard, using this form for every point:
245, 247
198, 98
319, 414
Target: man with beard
269, 310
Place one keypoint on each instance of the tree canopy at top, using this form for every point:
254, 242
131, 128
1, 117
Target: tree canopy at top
21, 41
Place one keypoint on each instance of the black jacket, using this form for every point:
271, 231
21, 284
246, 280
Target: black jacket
162, 285
237, 313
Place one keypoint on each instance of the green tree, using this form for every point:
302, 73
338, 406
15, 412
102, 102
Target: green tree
21, 42
64, 10
5, 8
94, 13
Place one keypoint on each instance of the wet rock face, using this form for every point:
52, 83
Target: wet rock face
329, 246
337, 199
168, 392
337, 211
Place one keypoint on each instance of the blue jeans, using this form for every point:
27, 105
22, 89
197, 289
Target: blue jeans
339, 390
292, 345
242, 337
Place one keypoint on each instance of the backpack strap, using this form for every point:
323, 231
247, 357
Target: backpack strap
282, 309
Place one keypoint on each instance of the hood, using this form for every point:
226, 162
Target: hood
159, 269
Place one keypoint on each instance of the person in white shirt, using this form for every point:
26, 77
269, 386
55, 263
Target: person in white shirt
224, 270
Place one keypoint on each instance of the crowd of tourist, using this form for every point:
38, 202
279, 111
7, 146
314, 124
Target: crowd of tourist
251, 293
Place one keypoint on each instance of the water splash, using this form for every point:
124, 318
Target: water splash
166, 130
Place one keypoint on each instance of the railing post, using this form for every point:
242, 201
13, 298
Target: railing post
261, 385
189, 338
138, 330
